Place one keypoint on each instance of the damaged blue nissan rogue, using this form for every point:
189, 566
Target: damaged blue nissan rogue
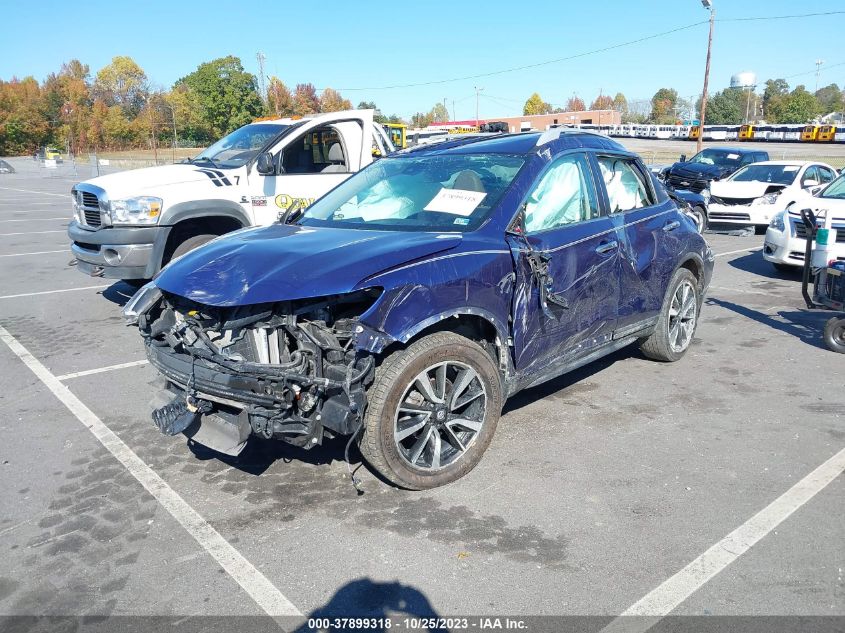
406, 305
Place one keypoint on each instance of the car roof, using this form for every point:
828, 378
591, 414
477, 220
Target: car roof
559, 139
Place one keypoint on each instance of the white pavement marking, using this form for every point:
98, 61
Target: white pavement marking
31, 233
100, 370
34, 219
42, 193
741, 250
29, 203
256, 584
665, 598
50, 292
65, 250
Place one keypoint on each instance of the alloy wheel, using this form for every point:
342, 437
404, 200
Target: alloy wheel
682, 315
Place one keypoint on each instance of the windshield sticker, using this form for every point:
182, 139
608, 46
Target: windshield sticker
455, 201
789, 168
461, 221
732, 156
259, 201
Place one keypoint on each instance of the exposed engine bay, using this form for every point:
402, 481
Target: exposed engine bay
286, 370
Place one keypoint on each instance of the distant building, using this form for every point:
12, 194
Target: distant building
543, 121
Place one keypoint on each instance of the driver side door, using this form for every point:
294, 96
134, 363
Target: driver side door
566, 254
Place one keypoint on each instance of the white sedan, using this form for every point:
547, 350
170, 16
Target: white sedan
786, 237
756, 193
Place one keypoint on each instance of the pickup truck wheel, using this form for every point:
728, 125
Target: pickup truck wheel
677, 321
189, 244
432, 411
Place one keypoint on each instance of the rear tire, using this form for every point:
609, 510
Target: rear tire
432, 411
834, 334
678, 319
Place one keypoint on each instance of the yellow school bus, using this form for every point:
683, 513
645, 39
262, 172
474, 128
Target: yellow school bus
827, 134
694, 132
810, 133
746, 132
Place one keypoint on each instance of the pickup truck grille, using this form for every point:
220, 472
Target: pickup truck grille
689, 182
90, 205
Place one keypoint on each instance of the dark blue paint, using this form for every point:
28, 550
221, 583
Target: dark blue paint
428, 277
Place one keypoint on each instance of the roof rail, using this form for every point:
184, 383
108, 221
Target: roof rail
553, 134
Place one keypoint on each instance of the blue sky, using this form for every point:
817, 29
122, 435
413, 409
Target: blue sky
373, 44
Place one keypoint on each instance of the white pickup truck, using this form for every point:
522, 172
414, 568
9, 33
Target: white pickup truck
130, 224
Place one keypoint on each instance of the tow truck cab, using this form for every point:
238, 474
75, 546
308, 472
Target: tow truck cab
130, 224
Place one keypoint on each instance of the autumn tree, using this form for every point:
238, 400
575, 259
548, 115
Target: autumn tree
663, 106
535, 105
123, 83
422, 119
620, 103
305, 100
602, 102
331, 101
439, 113
575, 104
279, 98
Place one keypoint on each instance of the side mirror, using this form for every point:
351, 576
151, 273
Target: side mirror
810, 183
265, 165
683, 158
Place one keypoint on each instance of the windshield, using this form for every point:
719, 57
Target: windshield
423, 193
241, 146
778, 174
836, 189
720, 157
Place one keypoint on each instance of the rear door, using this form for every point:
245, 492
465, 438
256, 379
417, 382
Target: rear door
567, 269
315, 159
649, 241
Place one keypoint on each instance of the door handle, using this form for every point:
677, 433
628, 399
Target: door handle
671, 226
606, 247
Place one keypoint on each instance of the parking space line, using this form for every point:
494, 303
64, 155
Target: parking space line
662, 600
50, 292
256, 584
741, 250
34, 219
41, 193
30, 233
64, 250
100, 370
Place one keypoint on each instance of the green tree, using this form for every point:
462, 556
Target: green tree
331, 101
439, 113
535, 105
663, 106
227, 95
421, 119
192, 128
773, 94
830, 99
799, 106
305, 100
725, 108
123, 83
378, 117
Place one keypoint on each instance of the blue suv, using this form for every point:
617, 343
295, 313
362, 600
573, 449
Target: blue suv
405, 306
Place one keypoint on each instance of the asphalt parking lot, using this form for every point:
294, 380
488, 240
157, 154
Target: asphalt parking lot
598, 488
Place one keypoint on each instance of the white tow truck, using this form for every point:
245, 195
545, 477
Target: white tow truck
130, 224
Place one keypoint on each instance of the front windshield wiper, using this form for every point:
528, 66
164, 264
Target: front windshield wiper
204, 159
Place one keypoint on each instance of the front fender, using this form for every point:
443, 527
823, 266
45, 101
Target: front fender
204, 208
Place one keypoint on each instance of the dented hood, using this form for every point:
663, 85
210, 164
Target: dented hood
282, 262
745, 189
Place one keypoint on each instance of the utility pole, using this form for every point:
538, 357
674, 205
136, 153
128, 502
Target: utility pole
261, 57
477, 92
708, 4
454, 116
445, 107
819, 63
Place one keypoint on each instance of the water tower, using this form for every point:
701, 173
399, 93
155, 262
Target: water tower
747, 81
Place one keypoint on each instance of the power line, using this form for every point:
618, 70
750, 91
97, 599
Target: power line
591, 52
810, 72
528, 66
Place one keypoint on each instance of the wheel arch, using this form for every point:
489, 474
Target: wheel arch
187, 219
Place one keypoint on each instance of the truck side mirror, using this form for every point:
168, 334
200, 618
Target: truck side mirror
683, 158
265, 165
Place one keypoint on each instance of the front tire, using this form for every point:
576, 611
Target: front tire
678, 319
700, 218
189, 244
432, 411
834, 334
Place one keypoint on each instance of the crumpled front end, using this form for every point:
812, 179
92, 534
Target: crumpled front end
288, 370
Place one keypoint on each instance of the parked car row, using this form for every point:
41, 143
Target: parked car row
404, 305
